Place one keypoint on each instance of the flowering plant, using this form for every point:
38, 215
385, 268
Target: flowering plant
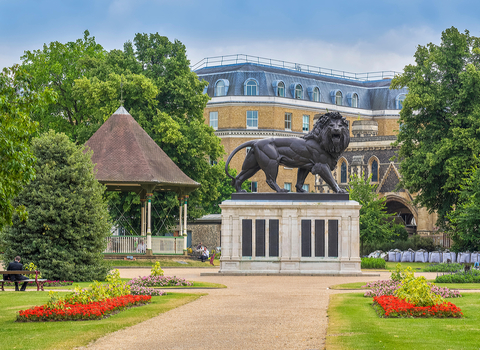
66, 311
156, 270
392, 306
159, 281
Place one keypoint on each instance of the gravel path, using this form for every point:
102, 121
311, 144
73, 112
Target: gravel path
254, 312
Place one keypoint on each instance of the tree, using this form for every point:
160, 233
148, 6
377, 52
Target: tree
17, 101
440, 120
464, 220
376, 225
67, 226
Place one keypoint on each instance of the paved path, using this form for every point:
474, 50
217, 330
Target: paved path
254, 312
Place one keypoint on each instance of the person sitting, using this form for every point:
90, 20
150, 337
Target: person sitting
141, 248
16, 266
199, 247
205, 254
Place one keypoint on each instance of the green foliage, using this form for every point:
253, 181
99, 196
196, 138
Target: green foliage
414, 242
440, 119
415, 290
471, 276
32, 267
464, 220
375, 223
443, 267
67, 226
18, 101
373, 263
156, 270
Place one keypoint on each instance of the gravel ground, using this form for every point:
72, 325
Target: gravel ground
254, 312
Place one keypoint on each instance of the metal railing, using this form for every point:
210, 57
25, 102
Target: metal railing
138, 244
227, 60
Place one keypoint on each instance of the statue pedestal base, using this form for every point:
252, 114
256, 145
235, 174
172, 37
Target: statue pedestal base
290, 234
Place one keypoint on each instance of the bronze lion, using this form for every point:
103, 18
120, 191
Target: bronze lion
316, 152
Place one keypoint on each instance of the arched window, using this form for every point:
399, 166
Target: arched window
281, 89
316, 94
221, 87
399, 101
298, 91
338, 98
251, 88
355, 100
343, 173
374, 170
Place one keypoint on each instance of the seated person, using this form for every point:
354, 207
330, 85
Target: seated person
16, 266
141, 248
205, 254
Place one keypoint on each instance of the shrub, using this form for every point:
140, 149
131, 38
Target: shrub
443, 267
373, 263
416, 290
158, 281
156, 270
472, 276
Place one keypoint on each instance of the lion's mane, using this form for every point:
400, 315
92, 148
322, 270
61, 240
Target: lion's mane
322, 133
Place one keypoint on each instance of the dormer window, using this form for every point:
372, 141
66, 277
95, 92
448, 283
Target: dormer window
338, 98
281, 89
298, 91
316, 94
355, 100
251, 87
399, 101
221, 87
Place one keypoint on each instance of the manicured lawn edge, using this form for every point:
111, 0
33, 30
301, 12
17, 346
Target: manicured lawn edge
70, 334
353, 324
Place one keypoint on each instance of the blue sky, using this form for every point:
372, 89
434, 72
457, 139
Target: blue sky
354, 36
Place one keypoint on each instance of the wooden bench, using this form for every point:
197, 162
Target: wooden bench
38, 281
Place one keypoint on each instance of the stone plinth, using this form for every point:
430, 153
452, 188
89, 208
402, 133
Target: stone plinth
290, 234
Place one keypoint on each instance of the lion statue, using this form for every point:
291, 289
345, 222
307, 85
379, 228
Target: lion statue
316, 152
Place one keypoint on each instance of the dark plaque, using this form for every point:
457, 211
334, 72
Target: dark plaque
306, 238
246, 237
333, 238
259, 237
320, 238
273, 244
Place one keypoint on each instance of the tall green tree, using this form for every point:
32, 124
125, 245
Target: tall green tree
65, 232
440, 119
464, 220
376, 225
18, 100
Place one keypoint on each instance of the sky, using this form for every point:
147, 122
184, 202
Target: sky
352, 36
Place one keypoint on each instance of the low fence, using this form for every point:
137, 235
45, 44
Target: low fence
138, 245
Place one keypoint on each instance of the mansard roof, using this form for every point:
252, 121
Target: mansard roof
373, 95
128, 159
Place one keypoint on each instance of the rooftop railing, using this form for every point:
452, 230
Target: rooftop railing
219, 61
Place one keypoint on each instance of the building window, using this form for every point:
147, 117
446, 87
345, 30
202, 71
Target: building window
399, 101
288, 186
306, 123
252, 119
288, 121
254, 186
343, 173
298, 91
214, 120
316, 95
251, 88
338, 98
374, 170
281, 89
221, 87
306, 187
355, 100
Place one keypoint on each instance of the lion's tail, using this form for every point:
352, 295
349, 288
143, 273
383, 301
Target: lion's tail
243, 145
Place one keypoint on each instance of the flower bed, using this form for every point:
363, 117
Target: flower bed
77, 312
391, 306
138, 290
388, 287
159, 281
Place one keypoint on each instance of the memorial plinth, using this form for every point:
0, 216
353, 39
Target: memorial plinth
290, 233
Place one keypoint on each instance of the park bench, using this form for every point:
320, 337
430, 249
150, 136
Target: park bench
38, 281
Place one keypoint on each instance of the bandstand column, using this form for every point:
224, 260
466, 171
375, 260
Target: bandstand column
180, 220
142, 216
185, 225
149, 224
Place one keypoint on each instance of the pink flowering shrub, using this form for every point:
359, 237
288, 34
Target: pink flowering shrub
388, 287
138, 290
159, 281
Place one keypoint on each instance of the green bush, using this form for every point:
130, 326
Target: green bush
414, 242
443, 267
373, 263
472, 276
416, 290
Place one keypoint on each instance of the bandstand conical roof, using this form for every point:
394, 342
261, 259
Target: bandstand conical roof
127, 159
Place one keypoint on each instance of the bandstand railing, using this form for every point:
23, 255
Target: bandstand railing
133, 245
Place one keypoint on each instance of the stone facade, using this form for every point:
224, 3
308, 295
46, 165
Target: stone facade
206, 230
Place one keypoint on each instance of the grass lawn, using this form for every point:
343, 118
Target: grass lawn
70, 334
167, 262
353, 324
